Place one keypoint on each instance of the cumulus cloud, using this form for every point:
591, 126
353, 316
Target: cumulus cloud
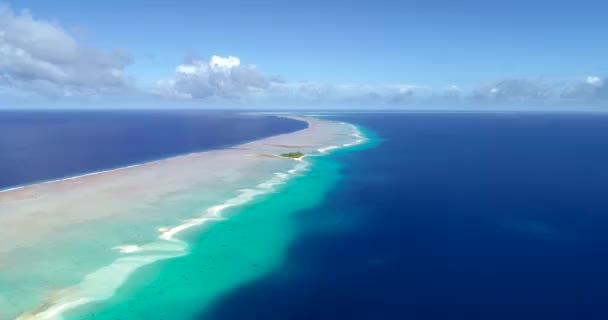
40, 56
218, 77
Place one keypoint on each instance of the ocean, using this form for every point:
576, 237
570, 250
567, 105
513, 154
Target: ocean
450, 216
434, 216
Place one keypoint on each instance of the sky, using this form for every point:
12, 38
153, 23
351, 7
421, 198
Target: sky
382, 54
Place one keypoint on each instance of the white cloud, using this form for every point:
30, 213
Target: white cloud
41, 57
219, 62
218, 77
187, 69
594, 81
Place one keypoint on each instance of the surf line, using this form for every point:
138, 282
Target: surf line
360, 138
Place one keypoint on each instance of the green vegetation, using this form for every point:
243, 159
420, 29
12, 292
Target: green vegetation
295, 155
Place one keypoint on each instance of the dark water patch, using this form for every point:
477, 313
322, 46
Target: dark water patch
454, 216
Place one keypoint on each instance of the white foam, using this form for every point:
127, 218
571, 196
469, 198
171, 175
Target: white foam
326, 149
128, 248
357, 134
12, 189
358, 141
55, 311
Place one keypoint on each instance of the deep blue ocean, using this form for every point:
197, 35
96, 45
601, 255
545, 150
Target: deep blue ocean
456, 216
450, 216
39, 146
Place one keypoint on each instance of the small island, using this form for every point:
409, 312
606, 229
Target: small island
293, 155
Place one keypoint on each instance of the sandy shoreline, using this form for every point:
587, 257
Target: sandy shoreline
34, 216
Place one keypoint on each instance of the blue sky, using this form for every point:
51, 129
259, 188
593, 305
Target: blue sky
317, 54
